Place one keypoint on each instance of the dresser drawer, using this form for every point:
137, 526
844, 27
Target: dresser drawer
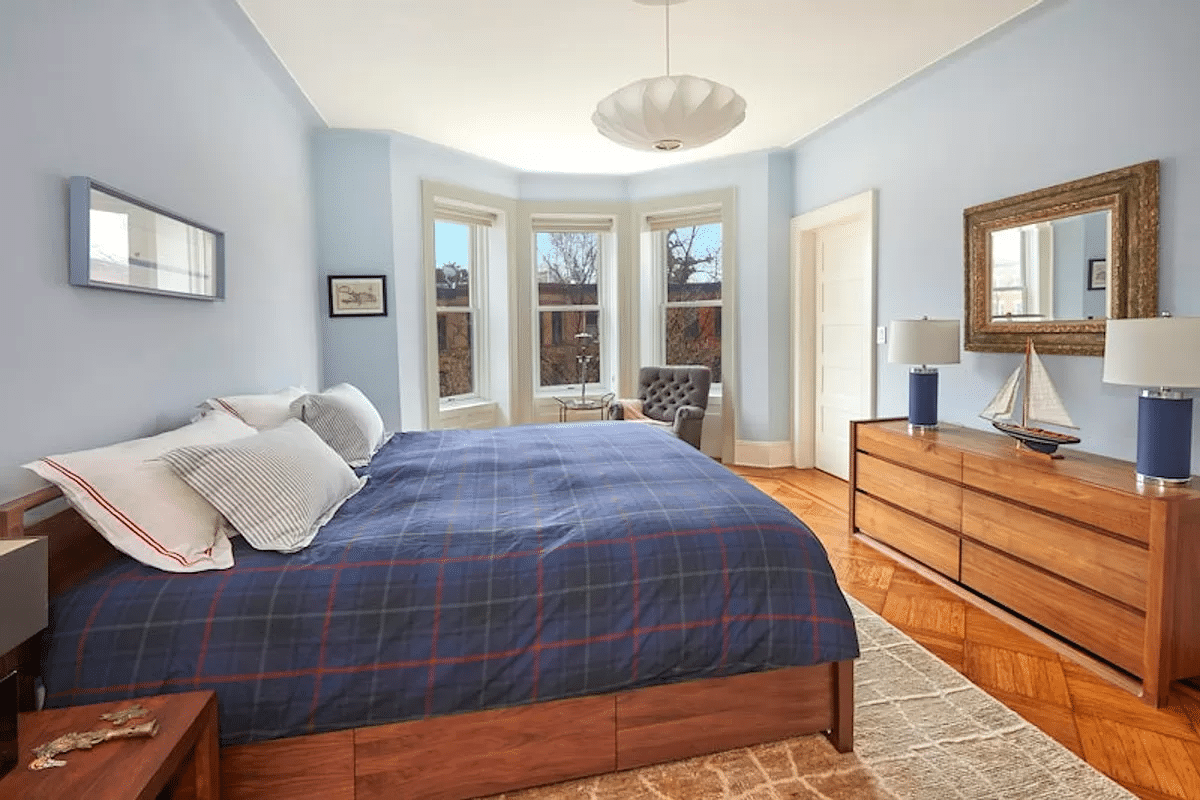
1041, 487
916, 492
1109, 630
910, 535
915, 450
1110, 566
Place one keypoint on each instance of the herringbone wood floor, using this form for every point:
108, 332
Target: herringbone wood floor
1154, 753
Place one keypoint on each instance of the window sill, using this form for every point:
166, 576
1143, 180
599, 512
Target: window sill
476, 413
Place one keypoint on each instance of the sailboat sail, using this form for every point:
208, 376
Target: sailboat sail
1005, 400
1044, 403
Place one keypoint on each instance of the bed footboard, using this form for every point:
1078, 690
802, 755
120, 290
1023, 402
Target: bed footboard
489, 752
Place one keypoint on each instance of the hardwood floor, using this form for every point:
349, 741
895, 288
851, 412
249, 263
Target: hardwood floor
1154, 753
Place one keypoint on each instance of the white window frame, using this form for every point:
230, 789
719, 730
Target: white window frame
1036, 270
658, 226
476, 291
604, 226
486, 223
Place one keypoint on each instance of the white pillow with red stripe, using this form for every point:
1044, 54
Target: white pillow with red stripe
260, 411
136, 502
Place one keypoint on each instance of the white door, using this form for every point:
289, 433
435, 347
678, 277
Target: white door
834, 316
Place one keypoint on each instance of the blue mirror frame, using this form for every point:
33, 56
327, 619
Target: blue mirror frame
118, 241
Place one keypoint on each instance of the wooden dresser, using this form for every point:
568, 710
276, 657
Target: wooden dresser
1073, 545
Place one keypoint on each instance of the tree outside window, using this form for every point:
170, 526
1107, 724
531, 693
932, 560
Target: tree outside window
456, 311
568, 265
693, 308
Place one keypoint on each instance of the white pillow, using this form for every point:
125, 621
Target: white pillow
277, 487
345, 420
138, 504
260, 411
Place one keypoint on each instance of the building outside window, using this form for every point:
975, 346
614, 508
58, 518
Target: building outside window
692, 270
456, 259
569, 258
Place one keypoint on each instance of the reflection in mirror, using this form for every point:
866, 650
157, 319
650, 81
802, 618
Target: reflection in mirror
120, 242
1053, 264
1049, 271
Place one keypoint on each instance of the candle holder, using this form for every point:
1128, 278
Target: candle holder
585, 354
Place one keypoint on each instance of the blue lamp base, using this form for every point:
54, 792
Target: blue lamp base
1164, 441
922, 397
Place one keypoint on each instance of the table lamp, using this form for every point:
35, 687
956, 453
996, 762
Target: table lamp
1162, 352
922, 342
23, 577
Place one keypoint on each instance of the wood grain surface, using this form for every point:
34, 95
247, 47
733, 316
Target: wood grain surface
301, 767
123, 769
1114, 567
486, 752
1076, 545
665, 723
1111, 631
909, 534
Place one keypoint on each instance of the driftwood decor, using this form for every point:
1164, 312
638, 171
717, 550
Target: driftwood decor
1130, 195
44, 755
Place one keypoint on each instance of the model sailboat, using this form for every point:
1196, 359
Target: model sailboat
1039, 403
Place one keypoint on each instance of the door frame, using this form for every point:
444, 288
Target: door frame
804, 230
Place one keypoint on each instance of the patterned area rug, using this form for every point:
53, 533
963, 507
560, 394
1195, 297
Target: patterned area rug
922, 732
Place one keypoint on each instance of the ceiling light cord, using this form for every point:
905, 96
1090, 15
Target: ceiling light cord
667, 11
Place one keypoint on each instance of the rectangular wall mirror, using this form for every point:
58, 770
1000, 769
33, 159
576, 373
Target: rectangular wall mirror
120, 242
1055, 263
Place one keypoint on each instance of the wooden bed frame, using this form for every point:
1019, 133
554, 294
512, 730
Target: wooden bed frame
488, 752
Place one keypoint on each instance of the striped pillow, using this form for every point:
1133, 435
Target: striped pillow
345, 420
277, 488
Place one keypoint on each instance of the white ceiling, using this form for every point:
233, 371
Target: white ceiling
516, 81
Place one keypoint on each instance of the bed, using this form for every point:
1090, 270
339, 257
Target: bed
494, 609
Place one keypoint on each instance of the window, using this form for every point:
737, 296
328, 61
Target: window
569, 258
1020, 272
459, 266
689, 253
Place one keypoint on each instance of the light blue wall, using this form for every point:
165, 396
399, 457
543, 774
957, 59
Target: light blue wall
762, 399
1070, 268
368, 201
353, 199
559, 187
1070, 89
179, 103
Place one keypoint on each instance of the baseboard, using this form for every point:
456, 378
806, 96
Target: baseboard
762, 454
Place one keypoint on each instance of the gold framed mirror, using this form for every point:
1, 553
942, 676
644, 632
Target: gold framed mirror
1053, 264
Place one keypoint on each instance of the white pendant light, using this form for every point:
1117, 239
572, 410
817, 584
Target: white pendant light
669, 112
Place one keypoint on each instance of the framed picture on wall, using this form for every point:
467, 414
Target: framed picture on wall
1097, 277
357, 295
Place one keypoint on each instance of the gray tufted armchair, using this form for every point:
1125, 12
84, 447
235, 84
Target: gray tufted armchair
673, 398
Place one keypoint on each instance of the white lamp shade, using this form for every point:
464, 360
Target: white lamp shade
1154, 351
23, 585
923, 341
670, 112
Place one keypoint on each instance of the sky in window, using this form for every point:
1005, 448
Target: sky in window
451, 243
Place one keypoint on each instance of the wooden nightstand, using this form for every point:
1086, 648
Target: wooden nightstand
185, 750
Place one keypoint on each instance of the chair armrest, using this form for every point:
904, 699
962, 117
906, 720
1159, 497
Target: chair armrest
688, 422
617, 409
684, 413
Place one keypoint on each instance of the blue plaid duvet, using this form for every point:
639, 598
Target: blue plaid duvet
476, 569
